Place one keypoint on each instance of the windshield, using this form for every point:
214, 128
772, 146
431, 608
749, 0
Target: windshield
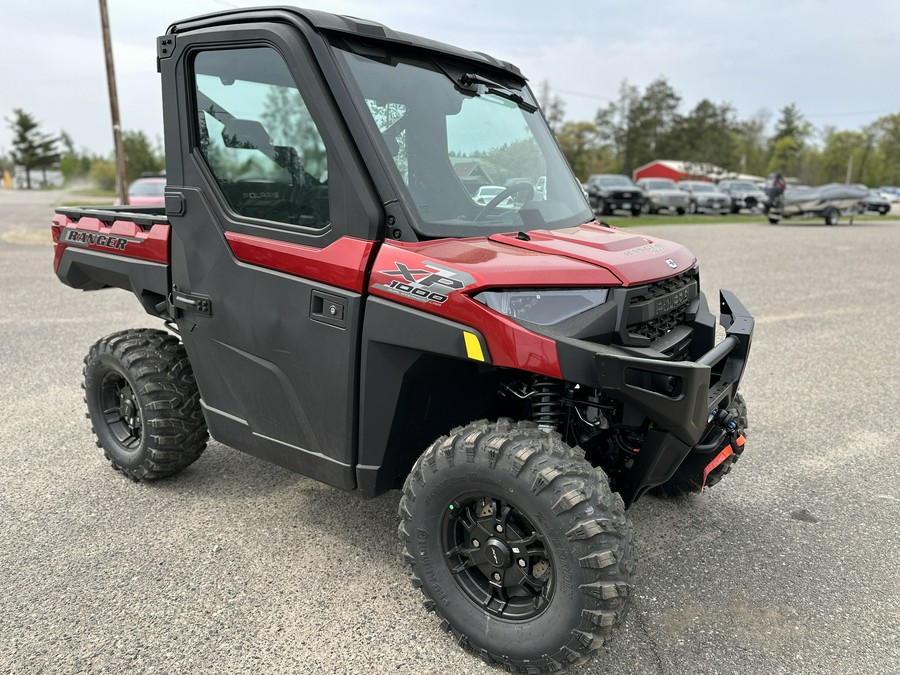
702, 187
750, 187
143, 188
449, 134
660, 185
614, 181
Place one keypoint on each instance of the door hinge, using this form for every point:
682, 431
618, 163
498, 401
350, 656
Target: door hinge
192, 302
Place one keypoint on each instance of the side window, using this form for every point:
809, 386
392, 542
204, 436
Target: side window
258, 138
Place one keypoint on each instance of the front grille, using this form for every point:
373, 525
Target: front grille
671, 313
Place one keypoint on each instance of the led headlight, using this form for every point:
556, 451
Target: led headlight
543, 307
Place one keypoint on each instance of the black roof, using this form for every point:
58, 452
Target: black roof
333, 23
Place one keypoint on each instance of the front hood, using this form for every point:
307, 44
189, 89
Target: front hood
587, 255
633, 258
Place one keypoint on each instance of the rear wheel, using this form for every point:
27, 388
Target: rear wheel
143, 403
883, 210
689, 476
692, 208
518, 545
680, 210
831, 215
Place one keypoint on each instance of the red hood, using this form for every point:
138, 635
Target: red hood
588, 255
442, 276
633, 258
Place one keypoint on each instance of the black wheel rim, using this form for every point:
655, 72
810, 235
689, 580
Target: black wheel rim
120, 410
498, 558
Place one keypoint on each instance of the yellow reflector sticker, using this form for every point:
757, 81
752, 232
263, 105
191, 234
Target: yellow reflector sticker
473, 346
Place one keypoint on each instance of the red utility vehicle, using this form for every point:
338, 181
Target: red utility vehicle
339, 304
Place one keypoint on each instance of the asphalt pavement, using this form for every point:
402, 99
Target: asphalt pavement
790, 565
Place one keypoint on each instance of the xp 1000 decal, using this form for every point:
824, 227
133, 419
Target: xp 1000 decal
428, 282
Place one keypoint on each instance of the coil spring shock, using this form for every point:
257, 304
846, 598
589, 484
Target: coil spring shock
547, 403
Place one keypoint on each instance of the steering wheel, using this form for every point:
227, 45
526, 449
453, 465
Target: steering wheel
525, 188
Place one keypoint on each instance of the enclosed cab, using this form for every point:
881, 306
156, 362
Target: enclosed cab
340, 302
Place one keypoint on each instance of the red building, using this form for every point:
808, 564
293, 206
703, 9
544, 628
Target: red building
677, 170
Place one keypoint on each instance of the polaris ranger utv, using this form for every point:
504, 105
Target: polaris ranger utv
338, 303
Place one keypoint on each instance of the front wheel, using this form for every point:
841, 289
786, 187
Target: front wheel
692, 208
143, 403
636, 211
831, 215
518, 545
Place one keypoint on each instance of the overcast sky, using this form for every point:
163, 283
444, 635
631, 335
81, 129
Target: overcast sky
837, 60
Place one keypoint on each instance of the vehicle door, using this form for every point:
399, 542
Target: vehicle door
272, 221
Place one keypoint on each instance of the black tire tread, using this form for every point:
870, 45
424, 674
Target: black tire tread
603, 544
175, 433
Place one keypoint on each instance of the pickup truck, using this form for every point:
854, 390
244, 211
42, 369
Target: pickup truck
332, 299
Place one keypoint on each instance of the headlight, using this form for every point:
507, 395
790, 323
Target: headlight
543, 307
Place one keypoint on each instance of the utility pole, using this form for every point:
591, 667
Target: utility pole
849, 168
114, 104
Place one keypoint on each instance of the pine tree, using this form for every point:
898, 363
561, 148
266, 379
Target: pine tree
31, 147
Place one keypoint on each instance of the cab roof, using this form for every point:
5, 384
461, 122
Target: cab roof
325, 22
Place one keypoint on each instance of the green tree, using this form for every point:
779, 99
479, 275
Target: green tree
580, 144
792, 132
791, 123
886, 136
635, 124
785, 155
103, 174
554, 108
31, 147
749, 137
140, 156
842, 151
706, 134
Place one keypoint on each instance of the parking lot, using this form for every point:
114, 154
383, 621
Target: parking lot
790, 565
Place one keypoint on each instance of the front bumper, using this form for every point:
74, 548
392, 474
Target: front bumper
678, 397
713, 204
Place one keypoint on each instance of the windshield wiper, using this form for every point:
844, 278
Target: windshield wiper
467, 80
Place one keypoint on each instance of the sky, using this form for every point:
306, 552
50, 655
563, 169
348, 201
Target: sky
836, 60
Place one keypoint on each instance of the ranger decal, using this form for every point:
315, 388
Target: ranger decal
116, 242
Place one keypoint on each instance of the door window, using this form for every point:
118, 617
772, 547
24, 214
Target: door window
258, 138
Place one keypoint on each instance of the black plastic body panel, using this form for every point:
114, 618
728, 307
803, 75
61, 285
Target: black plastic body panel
680, 419
417, 383
92, 270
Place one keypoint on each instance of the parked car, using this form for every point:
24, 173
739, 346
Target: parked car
663, 195
744, 194
147, 191
890, 192
486, 193
874, 201
705, 197
608, 192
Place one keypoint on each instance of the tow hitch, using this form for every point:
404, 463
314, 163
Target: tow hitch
729, 430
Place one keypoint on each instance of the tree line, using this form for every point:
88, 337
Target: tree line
641, 126
35, 150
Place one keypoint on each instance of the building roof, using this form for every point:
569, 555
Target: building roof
705, 170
